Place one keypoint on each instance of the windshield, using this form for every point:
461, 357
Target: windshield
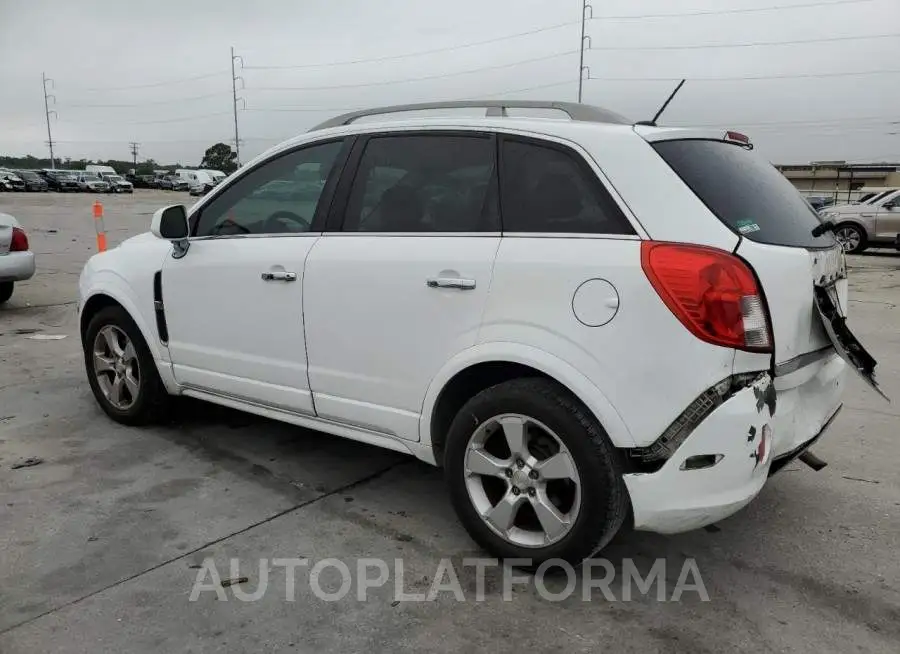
745, 192
114, 178
869, 198
27, 175
91, 178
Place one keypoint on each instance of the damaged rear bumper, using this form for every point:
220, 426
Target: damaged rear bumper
738, 437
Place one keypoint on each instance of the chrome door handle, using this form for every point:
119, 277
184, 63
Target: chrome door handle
451, 282
279, 276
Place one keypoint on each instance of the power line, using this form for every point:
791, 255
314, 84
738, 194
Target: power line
753, 44
747, 10
344, 109
839, 121
419, 53
159, 122
548, 28
134, 152
749, 77
151, 85
417, 79
145, 104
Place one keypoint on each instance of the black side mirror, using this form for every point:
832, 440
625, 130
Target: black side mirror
171, 223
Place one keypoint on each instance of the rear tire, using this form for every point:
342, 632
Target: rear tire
589, 498
121, 369
6, 291
851, 237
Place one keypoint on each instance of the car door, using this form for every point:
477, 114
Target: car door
887, 220
234, 302
400, 285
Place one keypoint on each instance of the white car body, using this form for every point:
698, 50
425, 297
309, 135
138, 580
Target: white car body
14, 266
100, 170
361, 347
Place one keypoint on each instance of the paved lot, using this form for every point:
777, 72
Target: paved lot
99, 544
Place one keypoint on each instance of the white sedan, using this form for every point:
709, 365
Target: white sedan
16, 260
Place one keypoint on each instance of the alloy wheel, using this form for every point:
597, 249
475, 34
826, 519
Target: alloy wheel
522, 480
849, 238
116, 367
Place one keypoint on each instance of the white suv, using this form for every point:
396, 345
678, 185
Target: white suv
586, 322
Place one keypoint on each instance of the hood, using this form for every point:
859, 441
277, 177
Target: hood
140, 239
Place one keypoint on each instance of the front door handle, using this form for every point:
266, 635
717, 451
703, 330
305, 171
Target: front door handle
450, 282
279, 276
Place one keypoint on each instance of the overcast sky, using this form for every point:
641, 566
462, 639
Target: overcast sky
158, 72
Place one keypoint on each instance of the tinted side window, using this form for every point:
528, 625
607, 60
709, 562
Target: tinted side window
423, 183
745, 191
546, 189
279, 197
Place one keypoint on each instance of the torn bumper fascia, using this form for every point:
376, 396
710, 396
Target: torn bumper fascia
673, 500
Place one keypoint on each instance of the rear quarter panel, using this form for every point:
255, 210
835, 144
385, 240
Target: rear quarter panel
643, 361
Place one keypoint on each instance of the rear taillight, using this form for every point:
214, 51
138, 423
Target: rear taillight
712, 292
19, 242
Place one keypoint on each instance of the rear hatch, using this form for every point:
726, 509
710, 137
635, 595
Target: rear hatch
803, 276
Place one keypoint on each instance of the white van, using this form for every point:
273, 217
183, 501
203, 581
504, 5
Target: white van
217, 175
100, 171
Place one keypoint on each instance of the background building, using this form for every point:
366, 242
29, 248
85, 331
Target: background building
839, 180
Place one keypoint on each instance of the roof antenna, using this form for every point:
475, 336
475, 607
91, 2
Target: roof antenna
652, 123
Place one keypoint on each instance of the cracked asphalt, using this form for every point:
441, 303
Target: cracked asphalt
101, 543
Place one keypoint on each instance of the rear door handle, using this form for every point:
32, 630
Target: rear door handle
451, 282
279, 276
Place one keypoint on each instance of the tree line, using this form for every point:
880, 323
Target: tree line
217, 157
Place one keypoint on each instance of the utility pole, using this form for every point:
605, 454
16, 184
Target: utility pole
47, 112
585, 7
235, 98
134, 152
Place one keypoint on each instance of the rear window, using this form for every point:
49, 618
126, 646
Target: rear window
745, 191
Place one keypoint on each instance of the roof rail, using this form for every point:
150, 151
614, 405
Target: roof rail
575, 111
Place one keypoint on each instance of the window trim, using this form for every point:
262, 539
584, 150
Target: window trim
338, 215
586, 170
323, 206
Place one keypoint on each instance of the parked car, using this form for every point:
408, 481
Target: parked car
11, 181
100, 171
91, 183
16, 259
60, 180
179, 183
164, 183
860, 226
118, 184
33, 181
202, 183
572, 356
142, 181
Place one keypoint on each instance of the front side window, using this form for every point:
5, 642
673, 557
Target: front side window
424, 183
278, 197
550, 189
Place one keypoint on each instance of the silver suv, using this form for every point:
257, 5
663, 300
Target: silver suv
858, 226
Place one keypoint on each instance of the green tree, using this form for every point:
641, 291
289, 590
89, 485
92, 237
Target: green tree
220, 157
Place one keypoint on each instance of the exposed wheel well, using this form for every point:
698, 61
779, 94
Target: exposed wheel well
465, 385
92, 307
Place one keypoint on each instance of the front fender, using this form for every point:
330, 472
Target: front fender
113, 285
585, 390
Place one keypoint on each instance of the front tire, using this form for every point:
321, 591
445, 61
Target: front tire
6, 291
851, 237
121, 370
533, 475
